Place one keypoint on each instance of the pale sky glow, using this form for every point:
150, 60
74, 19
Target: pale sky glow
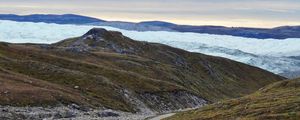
247, 13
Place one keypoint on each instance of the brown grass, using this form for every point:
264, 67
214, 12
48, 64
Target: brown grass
151, 68
277, 101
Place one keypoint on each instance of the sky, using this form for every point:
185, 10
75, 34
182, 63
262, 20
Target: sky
232, 13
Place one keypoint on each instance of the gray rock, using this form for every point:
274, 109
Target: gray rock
108, 114
57, 116
74, 106
4, 110
68, 114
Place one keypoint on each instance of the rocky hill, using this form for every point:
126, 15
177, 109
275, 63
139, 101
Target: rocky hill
104, 69
278, 101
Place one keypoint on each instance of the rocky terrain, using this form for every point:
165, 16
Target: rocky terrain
278, 101
104, 70
67, 113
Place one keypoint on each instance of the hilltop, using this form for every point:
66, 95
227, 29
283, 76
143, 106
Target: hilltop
279, 100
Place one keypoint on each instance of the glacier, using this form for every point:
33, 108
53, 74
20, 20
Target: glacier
277, 56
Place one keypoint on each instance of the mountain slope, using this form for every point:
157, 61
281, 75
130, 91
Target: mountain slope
20, 90
116, 72
276, 101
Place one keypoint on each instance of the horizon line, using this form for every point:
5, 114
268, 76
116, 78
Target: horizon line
152, 20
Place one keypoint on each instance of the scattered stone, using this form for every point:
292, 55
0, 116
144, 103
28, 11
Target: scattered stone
85, 109
76, 87
57, 116
74, 106
108, 114
68, 114
4, 110
41, 116
86, 113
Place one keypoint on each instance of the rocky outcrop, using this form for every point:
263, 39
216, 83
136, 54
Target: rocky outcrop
171, 101
162, 102
98, 39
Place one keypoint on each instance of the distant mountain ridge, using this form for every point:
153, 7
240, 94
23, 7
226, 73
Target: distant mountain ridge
282, 32
51, 18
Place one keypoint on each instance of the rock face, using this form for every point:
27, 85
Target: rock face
99, 39
171, 101
104, 69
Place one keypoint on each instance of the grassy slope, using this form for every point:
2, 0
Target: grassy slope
280, 100
213, 78
153, 68
20, 90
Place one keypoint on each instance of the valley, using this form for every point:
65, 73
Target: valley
149, 60
103, 70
